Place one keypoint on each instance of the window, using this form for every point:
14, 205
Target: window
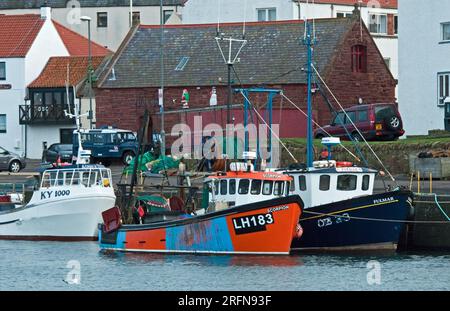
365, 183
232, 189
339, 120
346, 182
396, 24
343, 14
383, 112
324, 184
243, 186
167, 14
351, 115
223, 187
267, 187
279, 187
302, 182
102, 19
2, 123
183, 62
265, 15
359, 58
256, 187
363, 116
443, 88
136, 18
2, 71
378, 23
446, 32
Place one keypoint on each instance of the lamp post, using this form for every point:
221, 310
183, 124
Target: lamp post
163, 133
91, 115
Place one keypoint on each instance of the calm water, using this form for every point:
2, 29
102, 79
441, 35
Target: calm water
43, 266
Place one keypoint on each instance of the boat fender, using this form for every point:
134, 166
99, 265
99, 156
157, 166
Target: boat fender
298, 231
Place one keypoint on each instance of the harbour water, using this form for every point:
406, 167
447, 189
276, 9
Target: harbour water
81, 266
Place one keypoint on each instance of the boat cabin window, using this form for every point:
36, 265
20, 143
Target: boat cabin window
324, 184
288, 187
302, 182
223, 187
267, 187
279, 187
88, 178
292, 186
243, 186
216, 187
366, 182
232, 189
346, 182
256, 187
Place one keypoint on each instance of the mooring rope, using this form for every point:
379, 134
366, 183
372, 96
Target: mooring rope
440, 207
374, 219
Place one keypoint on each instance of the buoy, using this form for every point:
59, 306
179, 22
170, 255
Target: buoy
298, 231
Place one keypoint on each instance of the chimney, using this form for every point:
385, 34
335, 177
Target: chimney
46, 11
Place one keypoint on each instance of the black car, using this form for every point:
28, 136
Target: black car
63, 151
11, 161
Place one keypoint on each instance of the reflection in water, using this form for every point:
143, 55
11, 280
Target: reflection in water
204, 260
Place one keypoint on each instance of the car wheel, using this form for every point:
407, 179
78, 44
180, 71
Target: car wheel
127, 157
15, 167
393, 123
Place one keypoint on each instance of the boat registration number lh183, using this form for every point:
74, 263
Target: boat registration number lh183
253, 223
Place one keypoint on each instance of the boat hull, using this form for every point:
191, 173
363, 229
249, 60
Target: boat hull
371, 223
71, 219
259, 228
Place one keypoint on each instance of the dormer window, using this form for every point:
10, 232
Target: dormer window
359, 59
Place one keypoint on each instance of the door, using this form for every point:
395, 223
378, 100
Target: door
4, 159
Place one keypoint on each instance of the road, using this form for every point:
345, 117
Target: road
441, 187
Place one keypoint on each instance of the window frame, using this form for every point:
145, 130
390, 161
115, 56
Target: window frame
4, 69
252, 187
365, 187
395, 24
443, 25
328, 185
267, 182
232, 186
248, 186
166, 18
266, 14
445, 76
302, 186
135, 18
359, 58
347, 189
103, 17
378, 23
344, 14
5, 129
223, 190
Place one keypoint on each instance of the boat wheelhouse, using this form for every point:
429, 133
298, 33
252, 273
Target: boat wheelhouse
243, 187
66, 206
331, 181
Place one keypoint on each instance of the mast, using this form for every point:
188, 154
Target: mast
309, 41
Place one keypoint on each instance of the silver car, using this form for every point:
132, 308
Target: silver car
11, 161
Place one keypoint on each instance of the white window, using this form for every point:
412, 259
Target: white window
343, 14
265, 15
446, 32
2, 123
443, 88
2, 71
378, 23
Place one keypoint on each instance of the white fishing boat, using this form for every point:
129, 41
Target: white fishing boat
66, 206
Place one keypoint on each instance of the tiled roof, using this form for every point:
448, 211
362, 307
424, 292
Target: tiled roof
387, 4
54, 74
77, 45
17, 34
35, 4
274, 54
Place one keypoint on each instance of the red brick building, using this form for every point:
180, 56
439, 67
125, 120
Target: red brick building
274, 57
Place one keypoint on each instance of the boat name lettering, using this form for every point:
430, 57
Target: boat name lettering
276, 209
253, 223
349, 169
384, 200
329, 221
59, 193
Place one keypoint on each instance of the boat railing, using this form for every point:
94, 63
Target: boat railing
83, 177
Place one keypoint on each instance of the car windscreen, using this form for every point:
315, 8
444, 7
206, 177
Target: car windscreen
382, 112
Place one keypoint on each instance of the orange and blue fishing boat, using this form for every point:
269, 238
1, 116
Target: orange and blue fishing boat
262, 225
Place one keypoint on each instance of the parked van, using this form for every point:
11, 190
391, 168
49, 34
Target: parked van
374, 121
108, 144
